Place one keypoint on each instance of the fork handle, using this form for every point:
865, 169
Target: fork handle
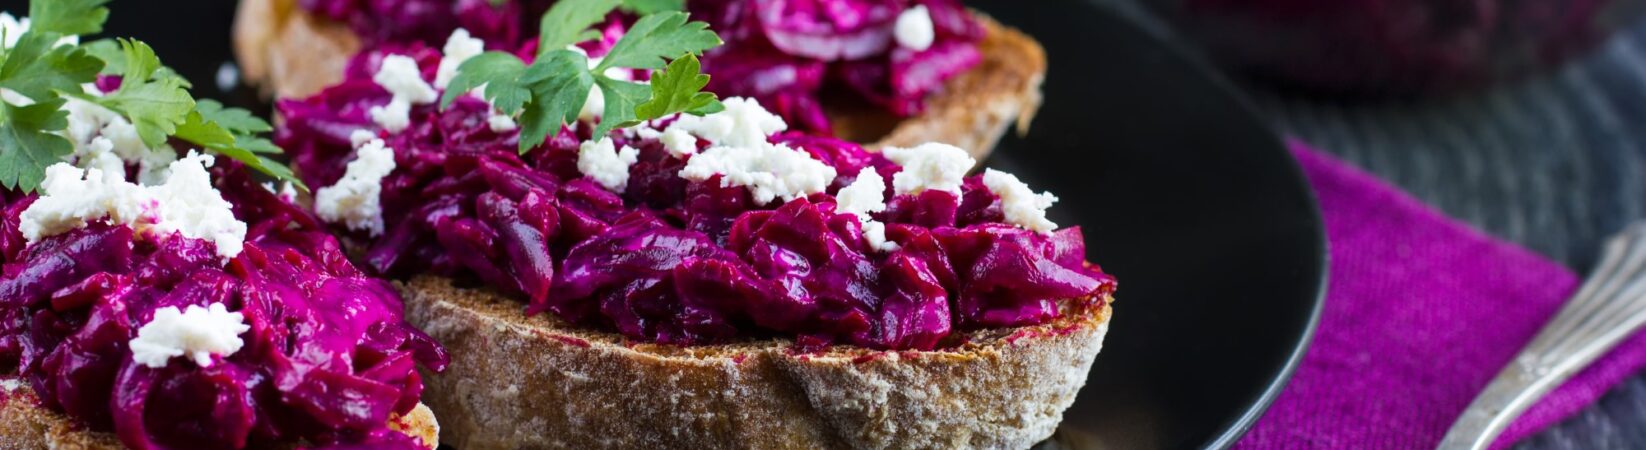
1609, 307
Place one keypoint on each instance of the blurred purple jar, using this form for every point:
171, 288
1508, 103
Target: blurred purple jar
1384, 48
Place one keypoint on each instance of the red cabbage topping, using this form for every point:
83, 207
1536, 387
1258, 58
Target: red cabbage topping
780, 52
431, 21
674, 261
783, 52
327, 360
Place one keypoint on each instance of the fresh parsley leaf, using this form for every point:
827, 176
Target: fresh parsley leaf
500, 72
236, 120
568, 22
154, 101
658, 36
257, 144
678, 89
621, 99
107, 50
114, 60
496, 3
551, 91
75, 17
27, 144
199, 129
37, 67
559, 83
644, 7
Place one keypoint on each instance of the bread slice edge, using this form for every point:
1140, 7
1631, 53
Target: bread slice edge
535, 382
26, 425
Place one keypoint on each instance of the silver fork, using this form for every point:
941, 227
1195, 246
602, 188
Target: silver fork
1609, 307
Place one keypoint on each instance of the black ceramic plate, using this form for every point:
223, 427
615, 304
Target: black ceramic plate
1183, 193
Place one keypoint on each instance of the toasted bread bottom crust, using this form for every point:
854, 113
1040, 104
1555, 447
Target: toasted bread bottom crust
293, 54
24, 425
534, 382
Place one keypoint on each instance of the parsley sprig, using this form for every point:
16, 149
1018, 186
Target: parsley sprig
151, 96
549, 92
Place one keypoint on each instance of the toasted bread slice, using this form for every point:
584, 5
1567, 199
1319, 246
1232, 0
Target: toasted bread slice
24, 425
289, 53
535, 382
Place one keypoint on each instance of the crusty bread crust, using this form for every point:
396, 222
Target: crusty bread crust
975, 108
290, 53
534, 382
287, 52
24, 425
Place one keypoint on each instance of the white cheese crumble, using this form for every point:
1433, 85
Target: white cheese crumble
459, 48
196, 333
744, 156
1023, 207
867, 195
361, 137
185, 204
501, 123
931, 165
769, 171
603, 163
914, 29
678, 142
595, 105
744, 123
354, 200
401, 77
89, 122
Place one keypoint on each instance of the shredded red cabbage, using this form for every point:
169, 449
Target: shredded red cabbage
780, 52
327, 360
432, 21
674, 261
783, 52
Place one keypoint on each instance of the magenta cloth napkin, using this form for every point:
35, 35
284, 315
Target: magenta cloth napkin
1421, 312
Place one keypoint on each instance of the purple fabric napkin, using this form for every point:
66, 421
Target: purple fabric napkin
1421, 312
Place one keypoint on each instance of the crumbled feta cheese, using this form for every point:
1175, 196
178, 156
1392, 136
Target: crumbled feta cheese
190, 206
744, 123
769, 171
867, 195
602, 162
360, 137
401, 77
11, 384
1022, 206
931, 165
354, 200
89, 121
185, 204
395, 116
678, 142
459, 48
196, 333
914, 29
501, 123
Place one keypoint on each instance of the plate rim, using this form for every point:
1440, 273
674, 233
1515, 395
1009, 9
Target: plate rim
1177, 48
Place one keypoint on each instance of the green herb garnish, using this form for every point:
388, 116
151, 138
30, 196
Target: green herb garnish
550, 92
151, 96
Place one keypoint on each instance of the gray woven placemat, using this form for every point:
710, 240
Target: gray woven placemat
1555, 163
